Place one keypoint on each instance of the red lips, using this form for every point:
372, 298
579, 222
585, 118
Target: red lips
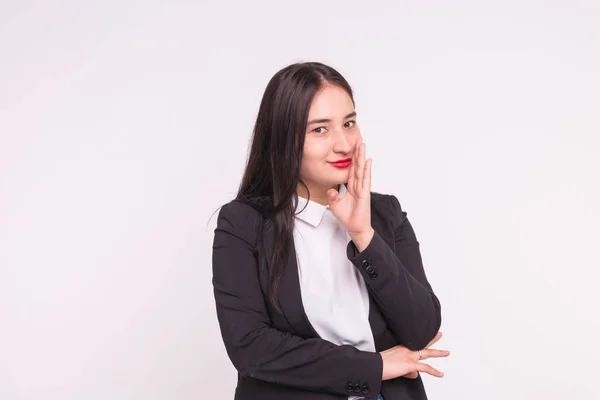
342, 163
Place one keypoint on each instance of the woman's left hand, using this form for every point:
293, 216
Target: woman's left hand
354, 209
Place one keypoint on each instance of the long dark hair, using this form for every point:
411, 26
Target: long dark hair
273, 169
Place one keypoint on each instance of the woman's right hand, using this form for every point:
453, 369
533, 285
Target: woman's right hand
400, 361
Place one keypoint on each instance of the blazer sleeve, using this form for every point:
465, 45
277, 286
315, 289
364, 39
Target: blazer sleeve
257, 349
396, 279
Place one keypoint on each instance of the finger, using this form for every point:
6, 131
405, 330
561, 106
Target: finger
357, 164
367, 176
434, 353
428, 369
333, 196
411, 375
360, 168
363, 170
437, 337
359, 143
351, 174
416, 356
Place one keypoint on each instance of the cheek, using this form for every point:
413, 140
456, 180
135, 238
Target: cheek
356, 136
314, 157
316, 150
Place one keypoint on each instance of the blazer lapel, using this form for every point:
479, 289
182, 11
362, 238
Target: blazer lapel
289, 296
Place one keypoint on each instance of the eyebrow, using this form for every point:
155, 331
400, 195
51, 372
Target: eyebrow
324, 120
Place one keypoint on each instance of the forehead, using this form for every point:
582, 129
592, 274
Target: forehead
330, 102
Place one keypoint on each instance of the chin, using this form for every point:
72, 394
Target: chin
342, 176
341, 179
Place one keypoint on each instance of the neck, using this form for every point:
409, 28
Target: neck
318, 195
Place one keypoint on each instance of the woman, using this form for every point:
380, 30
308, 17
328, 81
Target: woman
319, 284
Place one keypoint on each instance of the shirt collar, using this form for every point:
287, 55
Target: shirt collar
313, 212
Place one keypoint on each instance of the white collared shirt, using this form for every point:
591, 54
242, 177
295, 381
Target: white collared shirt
334, 294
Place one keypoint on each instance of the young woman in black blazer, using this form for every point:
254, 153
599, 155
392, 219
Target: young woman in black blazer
287, 339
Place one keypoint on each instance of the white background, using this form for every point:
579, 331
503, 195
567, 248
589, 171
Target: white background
124, 125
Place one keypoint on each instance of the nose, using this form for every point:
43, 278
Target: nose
342, 142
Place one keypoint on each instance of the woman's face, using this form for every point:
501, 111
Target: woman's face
331, 134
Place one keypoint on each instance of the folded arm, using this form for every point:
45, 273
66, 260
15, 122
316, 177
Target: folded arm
397, 281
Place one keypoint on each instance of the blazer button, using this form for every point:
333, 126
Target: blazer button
369, 269
357, 388
365, 389
374, 275
365, 263
349, 387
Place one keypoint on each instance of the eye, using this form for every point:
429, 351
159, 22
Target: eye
349, 124
319, 130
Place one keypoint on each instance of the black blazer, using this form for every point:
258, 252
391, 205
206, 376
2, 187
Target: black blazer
280, 355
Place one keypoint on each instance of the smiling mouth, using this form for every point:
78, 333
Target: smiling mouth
342, 163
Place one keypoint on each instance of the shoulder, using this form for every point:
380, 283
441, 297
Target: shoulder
241, 220
387, 206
